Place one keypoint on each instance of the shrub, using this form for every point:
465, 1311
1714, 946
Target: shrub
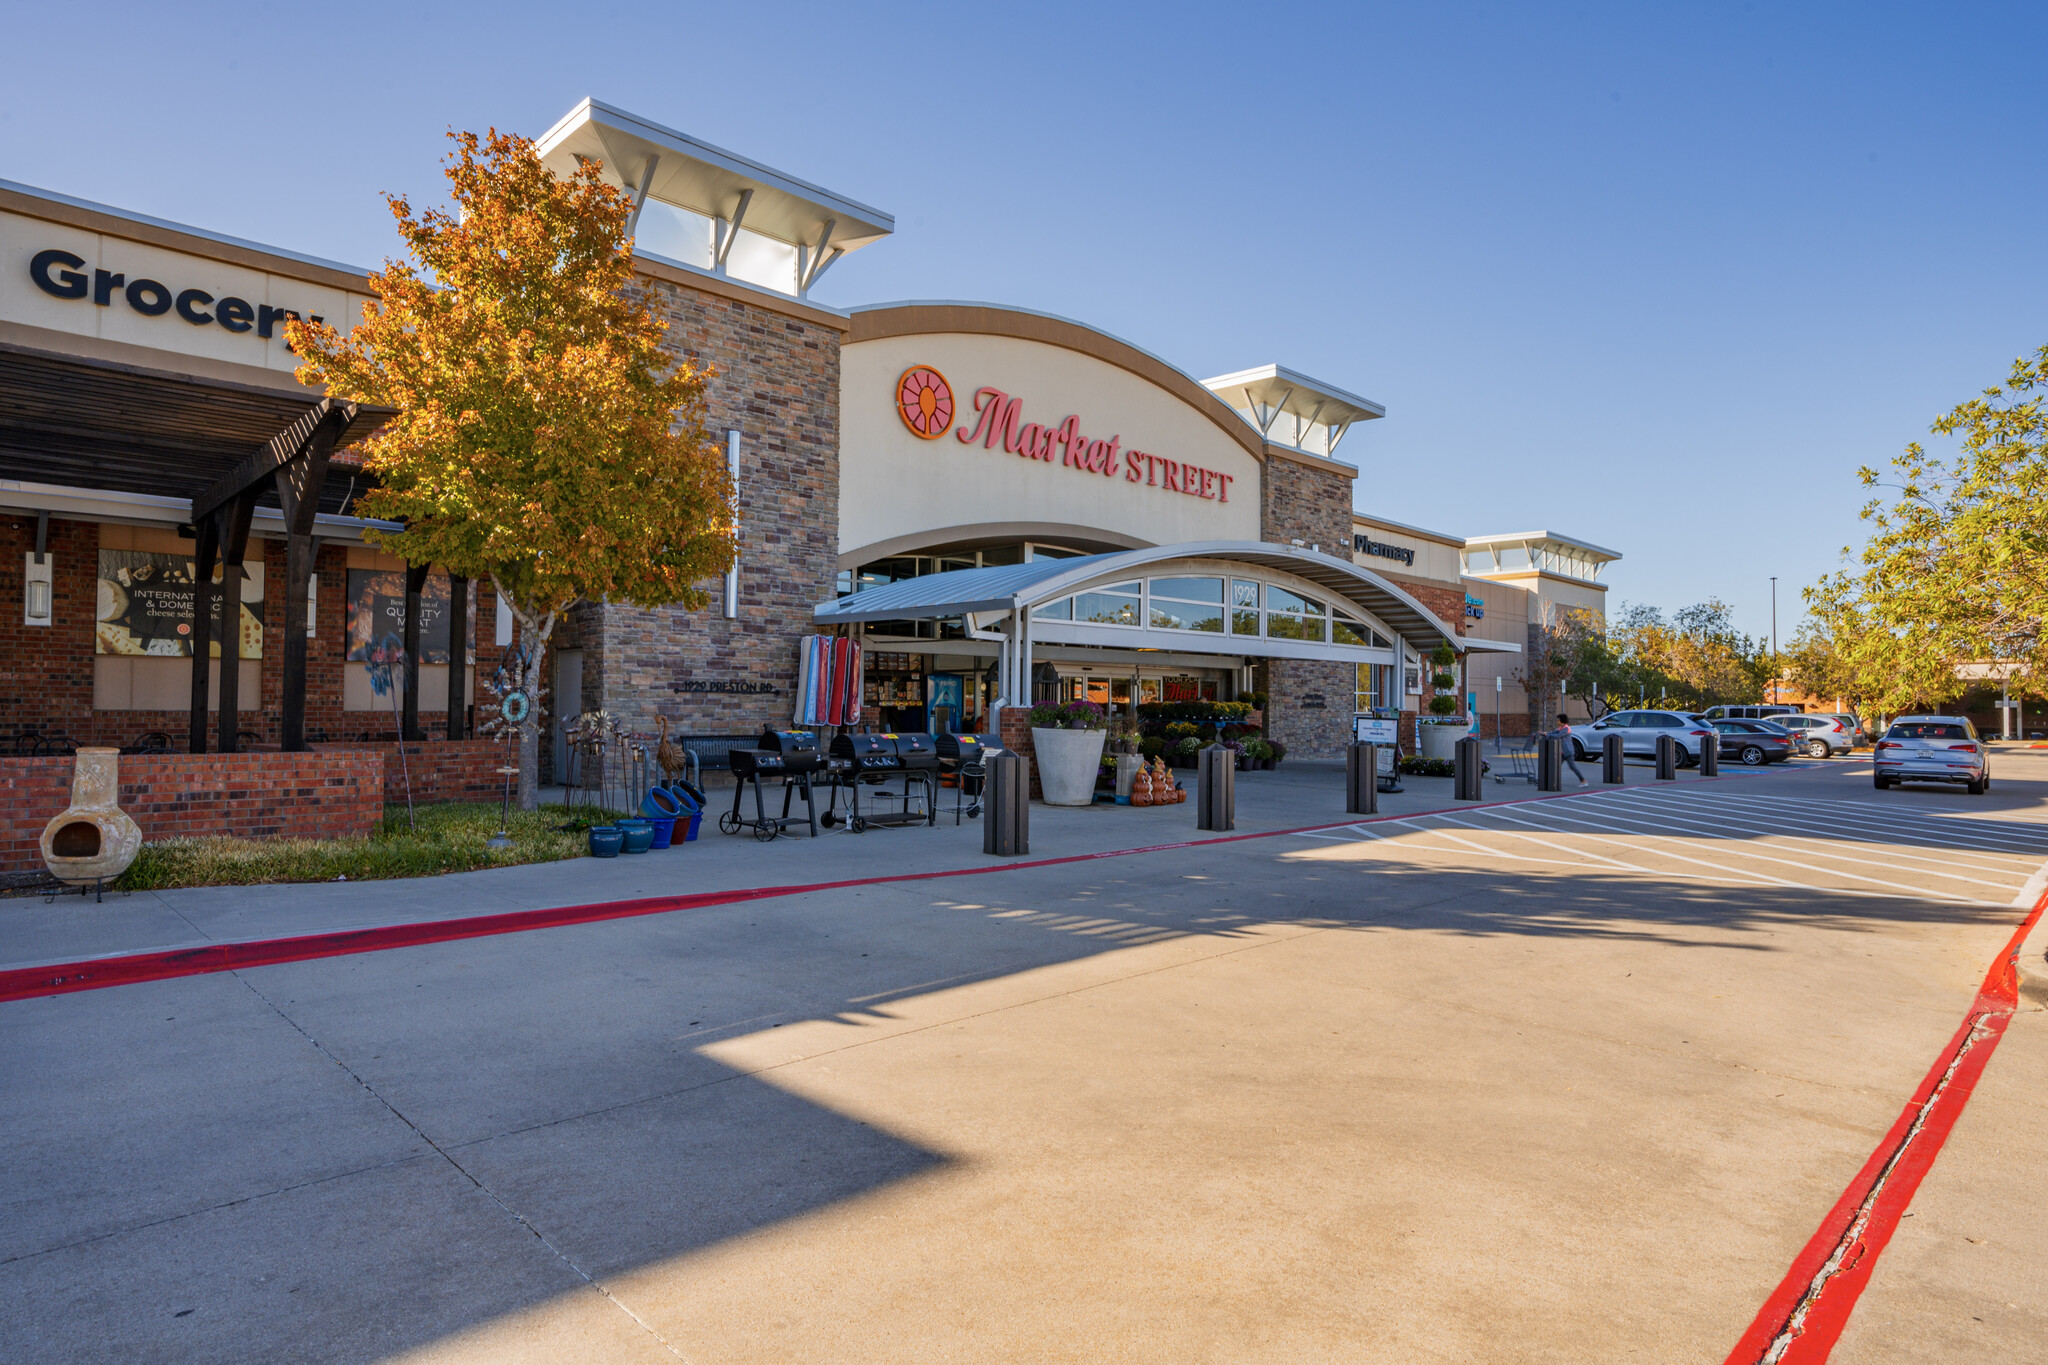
1073, 715
1279, 749
1257, 748
1189, 745
1443, 704
1152, 746
1182, 729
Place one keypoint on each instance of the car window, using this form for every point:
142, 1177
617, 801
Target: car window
1619, 720
1664, 720
1927, 729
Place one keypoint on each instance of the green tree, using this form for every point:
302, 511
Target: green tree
545, 438
1956, 568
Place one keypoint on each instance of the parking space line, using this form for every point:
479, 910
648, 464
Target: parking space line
1973, 826
1891, 852
1733, 848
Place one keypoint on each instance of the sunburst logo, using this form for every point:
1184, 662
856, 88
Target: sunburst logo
924, 400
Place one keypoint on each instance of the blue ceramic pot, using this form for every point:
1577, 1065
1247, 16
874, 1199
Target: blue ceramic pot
660, 803
696, 819
664, 830
605, 841
639, 836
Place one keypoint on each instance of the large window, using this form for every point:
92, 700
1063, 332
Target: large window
1344, 631
1115, 605
1374, 686
1293, 617
1187, 604
1244, 607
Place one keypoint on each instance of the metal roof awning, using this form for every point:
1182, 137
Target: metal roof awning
1317, 414
678, 169
1020, 587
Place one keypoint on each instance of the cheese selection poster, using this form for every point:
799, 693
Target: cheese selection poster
145, 606
376, 612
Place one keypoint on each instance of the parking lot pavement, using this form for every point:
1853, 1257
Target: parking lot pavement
1560, 1080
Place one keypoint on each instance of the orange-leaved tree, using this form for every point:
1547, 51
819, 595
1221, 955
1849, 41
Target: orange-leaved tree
545, 439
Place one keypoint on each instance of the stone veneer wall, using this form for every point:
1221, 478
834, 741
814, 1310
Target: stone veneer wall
777, 380
1309, 704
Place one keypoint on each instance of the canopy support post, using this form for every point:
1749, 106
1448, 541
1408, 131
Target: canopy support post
207, 533
234, 543
415, 583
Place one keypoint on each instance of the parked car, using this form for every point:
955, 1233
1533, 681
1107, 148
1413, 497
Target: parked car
1749, 712
1821, 736
1752, 742
1932, 749
1859, 734
1639, 731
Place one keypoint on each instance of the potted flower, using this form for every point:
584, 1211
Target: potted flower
1439, 732
1067, 739
1258, 754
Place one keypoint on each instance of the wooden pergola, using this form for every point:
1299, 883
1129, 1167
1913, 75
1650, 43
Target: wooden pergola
231, 447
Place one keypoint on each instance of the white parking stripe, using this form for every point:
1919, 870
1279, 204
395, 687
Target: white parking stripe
2034, 833
1827, 849
1735, 809
1518, 857
1725, 874
1733, 848
1986, 841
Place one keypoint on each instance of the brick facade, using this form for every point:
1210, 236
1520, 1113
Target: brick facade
46, 672
331, 794
1300, 502
776, 379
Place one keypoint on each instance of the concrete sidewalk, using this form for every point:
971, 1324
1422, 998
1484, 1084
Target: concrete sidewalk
1300, 793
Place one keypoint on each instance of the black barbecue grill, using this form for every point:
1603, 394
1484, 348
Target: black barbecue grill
791, 755
870, 762
963, 757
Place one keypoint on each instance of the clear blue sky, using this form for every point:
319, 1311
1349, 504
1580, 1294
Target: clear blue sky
1656, 276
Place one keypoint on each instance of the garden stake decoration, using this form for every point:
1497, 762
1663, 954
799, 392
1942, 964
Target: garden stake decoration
383, 656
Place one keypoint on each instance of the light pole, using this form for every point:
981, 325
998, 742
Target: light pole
1496, 711
1774, 639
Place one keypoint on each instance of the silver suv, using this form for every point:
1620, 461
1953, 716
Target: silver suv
1639, 731
1932, 749
1822, 736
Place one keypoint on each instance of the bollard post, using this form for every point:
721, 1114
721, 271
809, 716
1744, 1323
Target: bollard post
1611, 757
1549, 764
1710, 754
1006, 822
1667, 758
1216, 800
1362, 779
1468, 780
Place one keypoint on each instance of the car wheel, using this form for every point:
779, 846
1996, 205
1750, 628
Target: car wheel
1977, 788
1819, 749
1579, 754
1881, 781
1753, 755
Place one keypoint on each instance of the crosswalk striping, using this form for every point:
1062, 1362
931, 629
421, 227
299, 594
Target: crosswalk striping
1735, 839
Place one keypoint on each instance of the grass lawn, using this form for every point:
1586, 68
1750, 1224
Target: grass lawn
450, 838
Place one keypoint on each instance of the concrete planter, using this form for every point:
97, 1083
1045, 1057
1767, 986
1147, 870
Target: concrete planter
1067, 763
1441, 741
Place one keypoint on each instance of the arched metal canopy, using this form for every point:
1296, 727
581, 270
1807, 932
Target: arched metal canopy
1020, 587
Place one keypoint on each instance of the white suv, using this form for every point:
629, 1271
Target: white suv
1820, 736
1932, 749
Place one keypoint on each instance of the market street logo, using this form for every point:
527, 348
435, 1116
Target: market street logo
1366, 545
925, 402
60, 274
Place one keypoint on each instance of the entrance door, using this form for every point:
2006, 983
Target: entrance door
568, 706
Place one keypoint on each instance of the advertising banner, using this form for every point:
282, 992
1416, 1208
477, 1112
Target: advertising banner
376, 614
145, 606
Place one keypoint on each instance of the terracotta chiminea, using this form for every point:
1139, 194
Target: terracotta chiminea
93, 840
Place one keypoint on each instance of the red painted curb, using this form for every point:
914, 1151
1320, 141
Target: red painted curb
92, 974
1801, 1322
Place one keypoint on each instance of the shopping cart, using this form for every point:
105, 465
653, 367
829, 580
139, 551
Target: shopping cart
1521, 757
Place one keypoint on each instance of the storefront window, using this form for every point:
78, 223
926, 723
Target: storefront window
1115, 605
1187, 604
1374, 686
1244, 607
1348, 632
1062, 610
1292, 617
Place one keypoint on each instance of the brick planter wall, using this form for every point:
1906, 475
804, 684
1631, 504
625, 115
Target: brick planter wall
1016, 724
466, 770
329, 795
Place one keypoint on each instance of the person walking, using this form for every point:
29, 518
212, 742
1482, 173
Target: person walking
1563, 735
